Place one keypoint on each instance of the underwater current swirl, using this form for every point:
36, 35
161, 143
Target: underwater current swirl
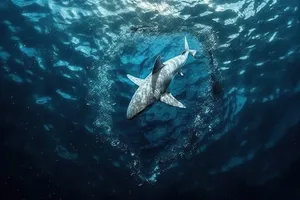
76, 54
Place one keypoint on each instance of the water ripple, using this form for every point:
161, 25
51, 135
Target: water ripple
83, 50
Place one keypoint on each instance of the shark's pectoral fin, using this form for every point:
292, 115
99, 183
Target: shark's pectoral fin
169, 99
137, 81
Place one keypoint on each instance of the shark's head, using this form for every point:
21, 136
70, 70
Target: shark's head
131, 113
136, 106
134, 112
140, 102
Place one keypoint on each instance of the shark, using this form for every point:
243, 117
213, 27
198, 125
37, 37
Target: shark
155, 87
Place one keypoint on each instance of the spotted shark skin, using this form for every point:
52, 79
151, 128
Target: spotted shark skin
155, 86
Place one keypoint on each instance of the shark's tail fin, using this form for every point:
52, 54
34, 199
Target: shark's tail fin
186, 46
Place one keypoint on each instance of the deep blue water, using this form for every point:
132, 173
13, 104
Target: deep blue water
64, 95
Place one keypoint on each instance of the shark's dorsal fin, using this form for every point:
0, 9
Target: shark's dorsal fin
137, 81
157, 65
170, 100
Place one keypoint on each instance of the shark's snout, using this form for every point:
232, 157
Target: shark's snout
136, 107
129, 114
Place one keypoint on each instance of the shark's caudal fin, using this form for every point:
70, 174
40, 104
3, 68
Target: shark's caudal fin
186, 47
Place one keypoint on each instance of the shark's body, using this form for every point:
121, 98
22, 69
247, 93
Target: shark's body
154, 87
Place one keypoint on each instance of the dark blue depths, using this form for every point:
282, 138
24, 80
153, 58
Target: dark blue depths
64, 94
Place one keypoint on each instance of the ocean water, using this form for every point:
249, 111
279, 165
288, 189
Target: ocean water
64, 96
